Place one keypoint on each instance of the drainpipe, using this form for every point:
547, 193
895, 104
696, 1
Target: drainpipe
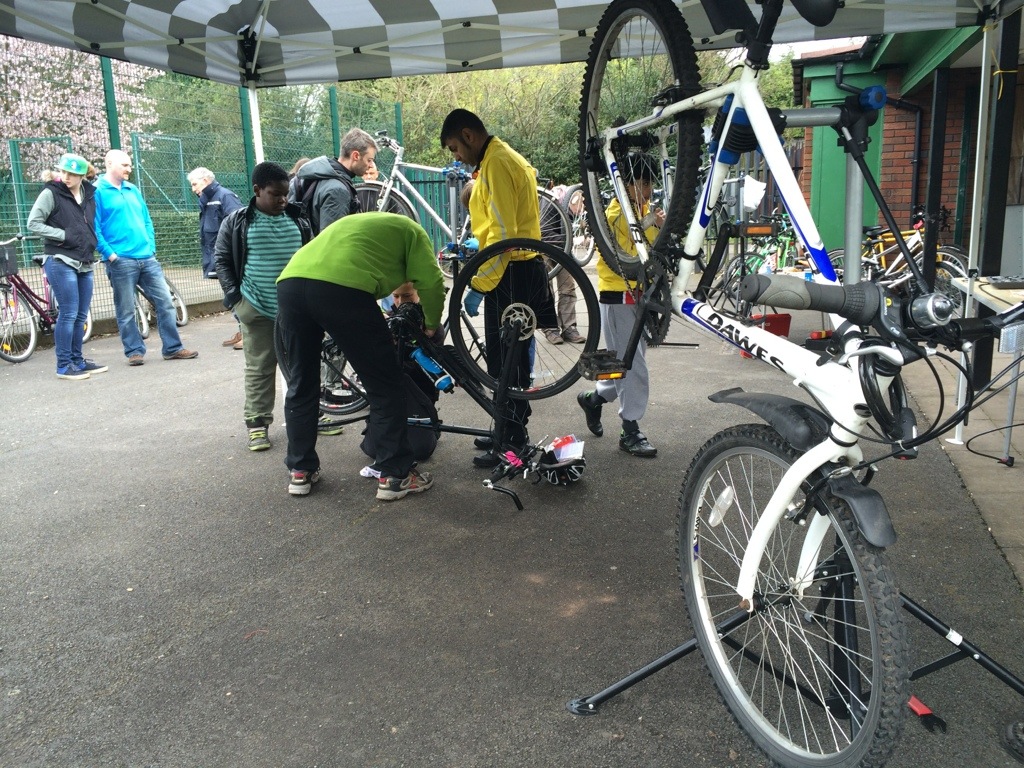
915, 161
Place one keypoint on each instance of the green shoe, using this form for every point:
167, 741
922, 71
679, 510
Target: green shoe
326, 426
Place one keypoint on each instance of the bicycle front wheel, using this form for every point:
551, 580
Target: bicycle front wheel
818, 679
370, 192
341, 393
18, 332
553, 366
642, 53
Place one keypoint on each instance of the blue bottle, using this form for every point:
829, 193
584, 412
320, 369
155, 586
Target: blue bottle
430, 367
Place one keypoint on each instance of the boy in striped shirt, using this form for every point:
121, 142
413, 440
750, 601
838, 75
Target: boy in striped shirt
253, 245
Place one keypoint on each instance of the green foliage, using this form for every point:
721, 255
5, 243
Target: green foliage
177, 237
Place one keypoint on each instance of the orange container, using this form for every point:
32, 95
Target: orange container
777, 323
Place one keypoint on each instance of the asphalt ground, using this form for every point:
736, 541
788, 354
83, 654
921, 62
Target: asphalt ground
165, 602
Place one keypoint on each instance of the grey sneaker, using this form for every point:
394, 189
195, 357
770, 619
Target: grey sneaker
258, 439
300, 481
395, 488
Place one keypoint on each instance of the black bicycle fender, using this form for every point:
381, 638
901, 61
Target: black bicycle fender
868, 509
804, 427
799, 424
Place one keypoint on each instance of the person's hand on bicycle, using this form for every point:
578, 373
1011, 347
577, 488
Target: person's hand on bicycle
472, 302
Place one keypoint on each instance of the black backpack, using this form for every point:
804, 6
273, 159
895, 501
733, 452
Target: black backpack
305, 191
422, 439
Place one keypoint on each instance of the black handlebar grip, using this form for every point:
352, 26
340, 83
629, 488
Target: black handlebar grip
858, 303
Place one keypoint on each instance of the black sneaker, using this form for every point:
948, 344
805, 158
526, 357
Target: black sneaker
592, 412
484, 443
636, 444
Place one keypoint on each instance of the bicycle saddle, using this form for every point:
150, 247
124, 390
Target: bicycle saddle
817, 12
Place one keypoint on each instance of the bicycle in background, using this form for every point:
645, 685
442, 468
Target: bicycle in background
24, 313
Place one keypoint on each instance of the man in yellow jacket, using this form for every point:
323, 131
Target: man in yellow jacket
503, 205
618, 297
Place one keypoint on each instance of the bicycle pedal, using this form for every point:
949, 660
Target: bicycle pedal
600, 365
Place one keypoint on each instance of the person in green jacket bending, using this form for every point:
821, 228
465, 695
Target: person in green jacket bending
332, 285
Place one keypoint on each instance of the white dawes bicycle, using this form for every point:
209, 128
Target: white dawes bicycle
781, 541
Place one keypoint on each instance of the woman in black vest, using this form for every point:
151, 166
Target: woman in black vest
63, 216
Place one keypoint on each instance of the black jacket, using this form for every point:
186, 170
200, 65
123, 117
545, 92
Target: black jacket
232, 249
76, 220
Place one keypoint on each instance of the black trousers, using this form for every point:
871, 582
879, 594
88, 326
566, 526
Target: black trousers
523, 282
307, 309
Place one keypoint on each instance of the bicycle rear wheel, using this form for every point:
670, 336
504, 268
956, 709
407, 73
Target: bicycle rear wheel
553, 367
180, 307
18, 332
369, 193
814, 680
642, 54
340, 390
141, 313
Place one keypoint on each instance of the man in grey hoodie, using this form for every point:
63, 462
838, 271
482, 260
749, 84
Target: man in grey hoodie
325, 190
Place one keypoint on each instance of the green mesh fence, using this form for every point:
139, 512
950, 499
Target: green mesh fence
55, 100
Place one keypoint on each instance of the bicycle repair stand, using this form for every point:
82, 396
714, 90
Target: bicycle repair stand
588, 705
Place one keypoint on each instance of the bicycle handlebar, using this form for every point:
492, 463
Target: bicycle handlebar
859, 303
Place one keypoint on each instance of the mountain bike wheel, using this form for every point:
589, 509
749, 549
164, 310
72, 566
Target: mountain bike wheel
180, 307
340, 390
141, 314
582, 244
18, 332
817, 680
640, 49
553, 367
369, 193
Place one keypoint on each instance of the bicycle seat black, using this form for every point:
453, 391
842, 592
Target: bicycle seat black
874, 231
817, 12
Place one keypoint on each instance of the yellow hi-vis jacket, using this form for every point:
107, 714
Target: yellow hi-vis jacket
607, 279
503, 206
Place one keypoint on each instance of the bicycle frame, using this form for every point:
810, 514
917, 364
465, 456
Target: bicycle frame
835, 386
453, 226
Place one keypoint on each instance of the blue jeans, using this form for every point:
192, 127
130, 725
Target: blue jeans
124, 274
73, 291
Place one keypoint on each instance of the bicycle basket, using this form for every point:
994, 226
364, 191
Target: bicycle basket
8, 260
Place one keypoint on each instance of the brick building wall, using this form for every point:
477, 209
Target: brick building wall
898, 172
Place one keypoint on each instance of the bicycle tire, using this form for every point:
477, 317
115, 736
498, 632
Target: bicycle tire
947, 268
771, 665
180, 307
344, 396
19, 333
554, 367
582, 245
555, 226
369, 193
141, 315
618, 86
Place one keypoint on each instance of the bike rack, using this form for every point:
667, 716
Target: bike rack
588, 705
